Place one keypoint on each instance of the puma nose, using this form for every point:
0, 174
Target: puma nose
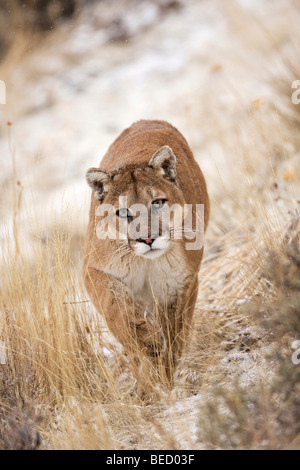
148, 240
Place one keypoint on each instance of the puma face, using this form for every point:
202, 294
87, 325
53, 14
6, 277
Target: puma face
140, 206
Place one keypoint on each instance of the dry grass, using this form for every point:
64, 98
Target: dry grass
66, 384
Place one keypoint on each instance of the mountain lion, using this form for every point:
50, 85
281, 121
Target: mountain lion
145, 282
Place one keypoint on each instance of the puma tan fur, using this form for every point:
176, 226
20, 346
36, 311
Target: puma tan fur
146, 287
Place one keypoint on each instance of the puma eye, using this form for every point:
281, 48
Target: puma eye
159, 203
123, 213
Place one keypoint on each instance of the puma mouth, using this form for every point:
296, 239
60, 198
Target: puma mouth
155, 250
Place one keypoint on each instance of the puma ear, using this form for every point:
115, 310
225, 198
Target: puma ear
165, 161
98, 180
